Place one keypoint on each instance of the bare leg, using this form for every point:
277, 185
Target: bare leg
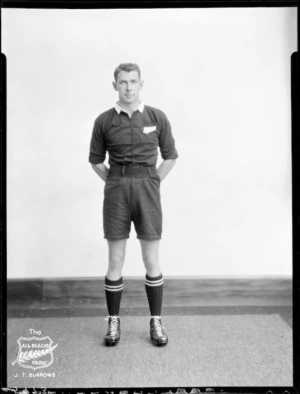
150, 257
116, 258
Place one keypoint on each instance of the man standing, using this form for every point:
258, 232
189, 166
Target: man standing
131, 133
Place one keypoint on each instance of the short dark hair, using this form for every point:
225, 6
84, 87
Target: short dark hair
126, 67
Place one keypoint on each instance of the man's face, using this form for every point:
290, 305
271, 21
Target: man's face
128, 85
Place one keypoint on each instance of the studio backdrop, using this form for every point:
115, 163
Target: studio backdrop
222, 76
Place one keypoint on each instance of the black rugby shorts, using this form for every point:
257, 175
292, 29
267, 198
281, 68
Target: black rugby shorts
132, 199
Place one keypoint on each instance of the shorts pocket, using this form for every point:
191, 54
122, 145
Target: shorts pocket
111, 182
156, 178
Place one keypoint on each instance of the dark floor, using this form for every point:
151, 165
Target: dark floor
182, 296
191, 297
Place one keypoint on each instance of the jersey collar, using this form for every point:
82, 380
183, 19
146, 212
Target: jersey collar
118, 108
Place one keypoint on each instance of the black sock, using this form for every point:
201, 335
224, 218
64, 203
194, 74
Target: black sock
113, 291
154, 290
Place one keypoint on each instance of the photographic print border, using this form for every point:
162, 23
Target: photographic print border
294, 62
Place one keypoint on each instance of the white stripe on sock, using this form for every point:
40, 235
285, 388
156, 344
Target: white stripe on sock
114, 288
154, 283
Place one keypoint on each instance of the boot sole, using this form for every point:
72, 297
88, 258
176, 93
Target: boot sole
157, 343
111, 343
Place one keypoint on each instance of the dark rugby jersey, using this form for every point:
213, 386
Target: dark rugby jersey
132, 140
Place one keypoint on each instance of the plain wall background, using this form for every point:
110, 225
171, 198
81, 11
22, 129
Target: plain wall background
222, 76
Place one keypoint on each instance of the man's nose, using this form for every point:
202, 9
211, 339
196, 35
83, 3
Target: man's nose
129, 86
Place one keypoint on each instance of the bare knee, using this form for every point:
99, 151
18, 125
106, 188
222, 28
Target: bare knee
150, 257
152, 265
116, 257
150, 260
115, 260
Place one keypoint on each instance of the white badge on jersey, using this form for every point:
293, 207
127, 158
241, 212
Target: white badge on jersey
149, 129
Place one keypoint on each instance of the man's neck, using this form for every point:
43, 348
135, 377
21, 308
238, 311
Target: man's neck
129, 108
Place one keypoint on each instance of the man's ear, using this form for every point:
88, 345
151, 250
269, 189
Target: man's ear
141, 84
114, 85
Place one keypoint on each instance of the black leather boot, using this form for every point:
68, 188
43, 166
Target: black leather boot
113, 334
157, 334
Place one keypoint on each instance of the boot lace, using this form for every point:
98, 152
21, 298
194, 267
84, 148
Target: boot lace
113, 322
157, 325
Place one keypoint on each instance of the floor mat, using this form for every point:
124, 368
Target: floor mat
203, 351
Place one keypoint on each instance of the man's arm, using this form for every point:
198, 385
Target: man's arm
167, 147
101, 170
165, 167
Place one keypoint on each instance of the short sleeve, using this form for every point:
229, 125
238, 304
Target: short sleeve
97, 145
166, 139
